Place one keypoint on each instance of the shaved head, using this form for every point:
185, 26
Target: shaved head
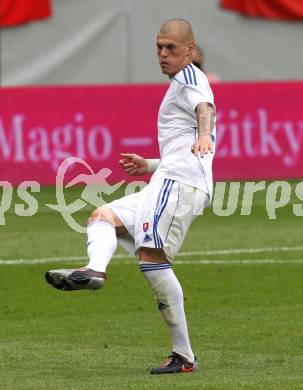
175, 46
180, 27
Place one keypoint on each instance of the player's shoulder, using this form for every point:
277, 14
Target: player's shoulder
190, 75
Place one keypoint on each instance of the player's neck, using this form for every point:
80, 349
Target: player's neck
171, 76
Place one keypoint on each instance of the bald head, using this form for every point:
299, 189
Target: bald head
175, 45
181, 28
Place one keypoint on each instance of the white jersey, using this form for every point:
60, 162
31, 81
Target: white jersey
177, 131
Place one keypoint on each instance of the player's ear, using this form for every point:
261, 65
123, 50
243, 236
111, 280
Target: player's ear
191, 47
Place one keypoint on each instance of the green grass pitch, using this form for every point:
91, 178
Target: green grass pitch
244, 307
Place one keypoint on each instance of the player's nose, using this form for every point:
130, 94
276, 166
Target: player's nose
163, 53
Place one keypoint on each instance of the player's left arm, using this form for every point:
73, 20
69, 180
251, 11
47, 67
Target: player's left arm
136, 165
205, 113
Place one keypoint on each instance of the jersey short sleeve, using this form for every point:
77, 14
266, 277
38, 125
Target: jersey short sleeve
192, 88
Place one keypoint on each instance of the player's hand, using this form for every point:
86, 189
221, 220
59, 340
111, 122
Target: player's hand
203, 145
133, 164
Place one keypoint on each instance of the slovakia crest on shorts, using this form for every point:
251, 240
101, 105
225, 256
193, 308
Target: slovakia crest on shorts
145, 226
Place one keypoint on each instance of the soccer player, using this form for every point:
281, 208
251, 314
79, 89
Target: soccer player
153, 222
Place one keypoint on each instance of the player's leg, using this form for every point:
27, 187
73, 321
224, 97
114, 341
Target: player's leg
169, 297
103, 227
172, 215
102, 230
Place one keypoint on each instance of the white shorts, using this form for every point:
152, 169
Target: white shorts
159, 216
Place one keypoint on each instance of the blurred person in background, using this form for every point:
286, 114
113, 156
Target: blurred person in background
199, 62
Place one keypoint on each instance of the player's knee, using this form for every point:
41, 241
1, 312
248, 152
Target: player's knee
153, 255
102, 214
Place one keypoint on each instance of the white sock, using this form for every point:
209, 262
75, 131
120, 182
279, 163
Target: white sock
169, 296
101, 244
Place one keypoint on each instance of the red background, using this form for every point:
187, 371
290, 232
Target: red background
271, 9
14, 12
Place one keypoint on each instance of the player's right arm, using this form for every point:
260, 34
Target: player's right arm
205, 113
136, 165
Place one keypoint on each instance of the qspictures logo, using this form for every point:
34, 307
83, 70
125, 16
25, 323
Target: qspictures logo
95, 187
228, 197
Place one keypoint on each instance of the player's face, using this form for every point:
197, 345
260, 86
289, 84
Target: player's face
173, 54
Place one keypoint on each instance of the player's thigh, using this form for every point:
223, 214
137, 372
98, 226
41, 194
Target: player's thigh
165, 216
125, 209
191, 203
154, 215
